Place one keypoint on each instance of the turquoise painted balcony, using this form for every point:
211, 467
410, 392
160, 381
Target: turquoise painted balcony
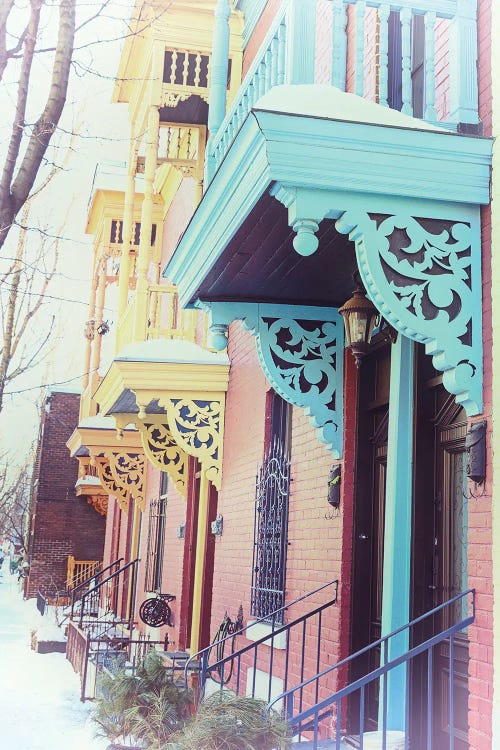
415, 56
381, 175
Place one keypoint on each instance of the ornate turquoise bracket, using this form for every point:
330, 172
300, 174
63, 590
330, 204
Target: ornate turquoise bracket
422, 272
301, 352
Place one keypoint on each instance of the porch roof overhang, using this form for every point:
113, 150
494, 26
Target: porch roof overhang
313, 174
99, 434
173, 391
319, 151
142, 374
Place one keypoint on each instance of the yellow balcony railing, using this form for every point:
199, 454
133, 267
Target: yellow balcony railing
80, 570
164, 319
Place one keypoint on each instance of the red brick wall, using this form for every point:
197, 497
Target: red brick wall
480, 539
315, 544
62, 524
62, 529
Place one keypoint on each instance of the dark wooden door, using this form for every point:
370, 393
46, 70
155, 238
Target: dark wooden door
451, 579
371, 466
439, 569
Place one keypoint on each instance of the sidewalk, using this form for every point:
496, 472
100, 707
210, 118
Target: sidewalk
39, 693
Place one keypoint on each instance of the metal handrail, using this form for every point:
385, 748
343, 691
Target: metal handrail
87, 582
270, 620
287, 696
94, 591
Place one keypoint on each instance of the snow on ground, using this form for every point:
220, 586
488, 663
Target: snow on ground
40, 708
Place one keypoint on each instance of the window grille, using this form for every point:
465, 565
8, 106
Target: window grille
156, 537
271, 518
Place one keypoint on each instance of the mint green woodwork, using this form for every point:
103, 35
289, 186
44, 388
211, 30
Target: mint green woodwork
431, 292
287, 55
252, 10
300, 41
301, 352
324, 168
462, 52
218, 79
397, 530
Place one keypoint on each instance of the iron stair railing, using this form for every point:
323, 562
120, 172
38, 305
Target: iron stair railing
229, 670
309, 720
100, 598
78, 591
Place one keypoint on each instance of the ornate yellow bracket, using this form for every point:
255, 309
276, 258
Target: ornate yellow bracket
122, 474
163, 451
99, 503
197, 427
190, 426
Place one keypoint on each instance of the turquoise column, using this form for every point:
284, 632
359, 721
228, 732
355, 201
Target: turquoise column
300, 41
397, 531
218, 80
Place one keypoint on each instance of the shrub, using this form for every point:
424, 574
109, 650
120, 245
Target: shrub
225, 721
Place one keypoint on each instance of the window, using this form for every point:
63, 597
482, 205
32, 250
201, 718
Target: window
156, 537
271, 513
395, 70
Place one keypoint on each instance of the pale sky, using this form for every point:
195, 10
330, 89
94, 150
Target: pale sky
103, 135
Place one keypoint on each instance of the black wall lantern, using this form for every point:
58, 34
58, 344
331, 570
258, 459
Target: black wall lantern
475, 446
360, 316
333, 491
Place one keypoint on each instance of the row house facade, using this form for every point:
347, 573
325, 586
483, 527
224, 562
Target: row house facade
293, 439
65, 538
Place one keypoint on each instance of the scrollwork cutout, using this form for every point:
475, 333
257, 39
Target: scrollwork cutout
109, 484
302, 359
424, 276
196, 426
164, 453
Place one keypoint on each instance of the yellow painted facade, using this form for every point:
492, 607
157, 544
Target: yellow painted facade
163, 398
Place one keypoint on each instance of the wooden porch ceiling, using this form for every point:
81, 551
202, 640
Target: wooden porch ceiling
259, 264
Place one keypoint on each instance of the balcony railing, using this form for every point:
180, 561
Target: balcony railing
165, 319
80, 571
378, 61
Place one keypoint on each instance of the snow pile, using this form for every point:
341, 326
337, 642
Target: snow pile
40, 708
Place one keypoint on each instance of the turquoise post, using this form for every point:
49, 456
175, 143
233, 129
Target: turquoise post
397, 531
301, 41
463, 67
218, 80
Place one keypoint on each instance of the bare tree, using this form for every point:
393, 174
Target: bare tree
21, 168
14, 501
23, 287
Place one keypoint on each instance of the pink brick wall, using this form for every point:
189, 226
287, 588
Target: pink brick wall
480, 521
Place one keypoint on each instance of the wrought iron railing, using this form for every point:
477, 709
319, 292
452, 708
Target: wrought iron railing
90, 654
270, 653
78, 591
314, 722
115, 591
449, 64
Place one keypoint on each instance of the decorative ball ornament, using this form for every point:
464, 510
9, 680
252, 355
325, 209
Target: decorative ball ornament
156, 612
